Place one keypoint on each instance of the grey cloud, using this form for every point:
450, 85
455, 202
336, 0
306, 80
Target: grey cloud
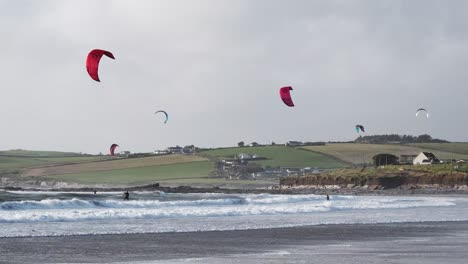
216, 66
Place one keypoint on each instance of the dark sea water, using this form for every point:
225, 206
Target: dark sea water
24, 214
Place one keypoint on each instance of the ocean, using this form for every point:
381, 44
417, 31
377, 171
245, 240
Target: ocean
31, 214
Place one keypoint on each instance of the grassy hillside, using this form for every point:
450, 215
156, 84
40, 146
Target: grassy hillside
169, 169
195, 169
280, 156
112, 165
459, 148
19, 159
179, 172
12, 163
363, 153
176, 172
37, 153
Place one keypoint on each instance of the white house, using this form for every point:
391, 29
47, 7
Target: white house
243, 156
294, 144
425, 158
175, 150
161, 152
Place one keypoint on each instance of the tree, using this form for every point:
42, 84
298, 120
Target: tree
393, 138
424, 138
241, 144
385, 159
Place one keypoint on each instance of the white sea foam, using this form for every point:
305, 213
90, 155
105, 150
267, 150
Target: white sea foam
56, 192
339, 202
51, 215
85, 204
70, 210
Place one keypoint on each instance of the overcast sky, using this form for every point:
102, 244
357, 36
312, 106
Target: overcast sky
216, 67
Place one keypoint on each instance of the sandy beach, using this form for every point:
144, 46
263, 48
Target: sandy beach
431, 242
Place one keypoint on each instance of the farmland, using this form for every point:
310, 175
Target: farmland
178, 169
280, 156
363, 153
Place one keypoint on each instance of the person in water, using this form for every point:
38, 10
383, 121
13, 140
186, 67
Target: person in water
328, 198
126, 195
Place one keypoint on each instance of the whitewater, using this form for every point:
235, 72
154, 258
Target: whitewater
81, 213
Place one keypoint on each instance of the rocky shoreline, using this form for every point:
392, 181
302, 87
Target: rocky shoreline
404, 181
349, 189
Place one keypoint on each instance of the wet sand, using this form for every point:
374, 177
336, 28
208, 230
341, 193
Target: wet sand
435, 242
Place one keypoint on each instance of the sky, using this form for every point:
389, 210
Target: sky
216, 67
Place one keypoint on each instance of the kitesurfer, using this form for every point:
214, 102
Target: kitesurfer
112, 149
126, 195
92, 62
165, 113
422, 110
360, 127
286, 96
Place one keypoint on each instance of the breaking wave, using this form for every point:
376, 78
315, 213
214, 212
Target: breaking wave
69, 210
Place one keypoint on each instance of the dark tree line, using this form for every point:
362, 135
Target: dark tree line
384, 159
402, 139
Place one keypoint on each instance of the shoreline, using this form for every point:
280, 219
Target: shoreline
426, 242
286, 190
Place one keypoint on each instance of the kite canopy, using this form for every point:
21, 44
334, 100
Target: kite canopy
286, 96
422, 110
164, 112
112, 149
359, 127
92, 62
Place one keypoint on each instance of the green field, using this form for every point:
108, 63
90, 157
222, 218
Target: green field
179, 169
195, 169
189, 173
362, 153
280, 156
168, 170
180, 172
20, 159
37, 153
112, 165
11, 163
459, 148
